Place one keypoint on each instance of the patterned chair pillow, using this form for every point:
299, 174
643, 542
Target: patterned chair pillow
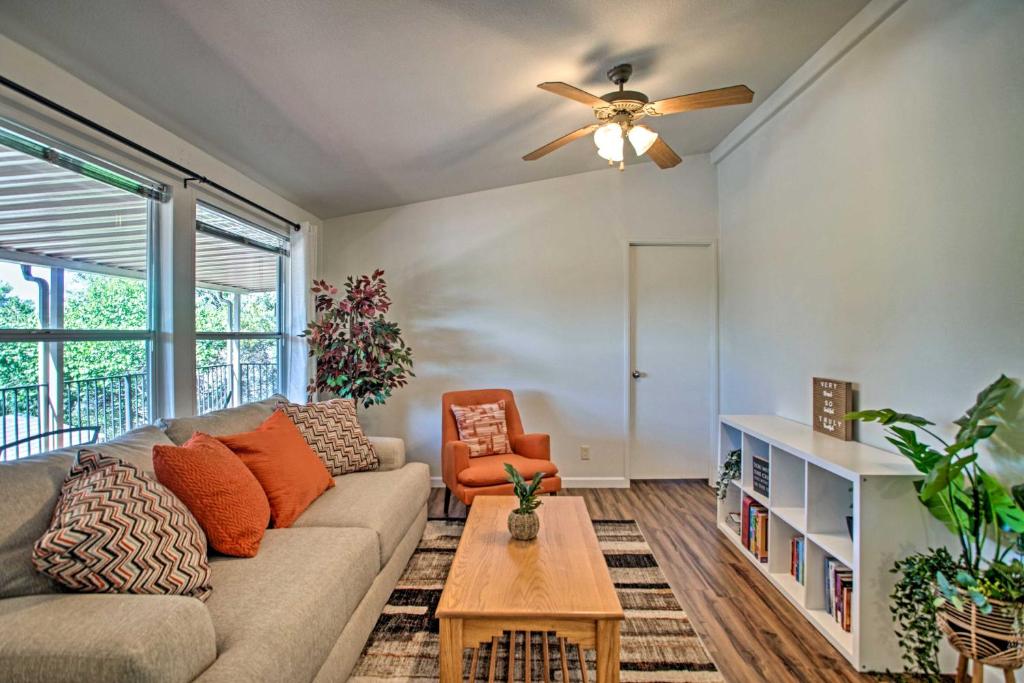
115, 530
483, 428
333, 432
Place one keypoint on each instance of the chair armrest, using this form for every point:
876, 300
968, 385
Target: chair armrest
390, 450
536, 446
89, 638
454, 459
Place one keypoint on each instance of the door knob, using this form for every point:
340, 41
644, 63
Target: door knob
637, 374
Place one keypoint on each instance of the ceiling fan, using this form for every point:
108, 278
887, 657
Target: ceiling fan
618, 112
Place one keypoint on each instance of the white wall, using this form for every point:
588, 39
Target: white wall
873, 230
522, 287
27, 68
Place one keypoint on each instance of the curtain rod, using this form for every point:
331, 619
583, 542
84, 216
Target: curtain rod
189, 174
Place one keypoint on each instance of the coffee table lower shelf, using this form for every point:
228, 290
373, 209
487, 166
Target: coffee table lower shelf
458, 634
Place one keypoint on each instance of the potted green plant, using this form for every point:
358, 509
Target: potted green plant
977, 597
359, 354
523, 522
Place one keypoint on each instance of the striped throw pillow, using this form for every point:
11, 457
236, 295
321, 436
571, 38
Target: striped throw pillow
115, 530
483, 427
333, 432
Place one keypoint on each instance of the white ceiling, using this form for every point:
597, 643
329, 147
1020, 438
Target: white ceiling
347, 106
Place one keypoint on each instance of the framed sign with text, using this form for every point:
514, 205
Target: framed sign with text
832, 399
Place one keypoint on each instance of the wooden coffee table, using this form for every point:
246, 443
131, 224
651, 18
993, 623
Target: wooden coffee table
557, 583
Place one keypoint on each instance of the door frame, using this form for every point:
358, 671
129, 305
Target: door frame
628, 395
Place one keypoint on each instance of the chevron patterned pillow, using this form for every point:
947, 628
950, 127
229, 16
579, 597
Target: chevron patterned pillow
115, 530
333, 432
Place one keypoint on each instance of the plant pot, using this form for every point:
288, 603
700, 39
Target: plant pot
996, 639
523, 526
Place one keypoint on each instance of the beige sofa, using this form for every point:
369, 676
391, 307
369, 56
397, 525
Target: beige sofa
301, 610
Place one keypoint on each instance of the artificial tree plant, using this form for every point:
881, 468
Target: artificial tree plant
359, 354
985, 516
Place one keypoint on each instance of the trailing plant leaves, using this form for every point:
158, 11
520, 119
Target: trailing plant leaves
913, 605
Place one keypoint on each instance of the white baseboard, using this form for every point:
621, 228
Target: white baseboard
595, 482
571, 482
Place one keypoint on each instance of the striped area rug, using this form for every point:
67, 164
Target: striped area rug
658, 641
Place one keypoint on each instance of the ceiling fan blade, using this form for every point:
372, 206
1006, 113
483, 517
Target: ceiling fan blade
572, 92
722, 97
555, 144
663, 155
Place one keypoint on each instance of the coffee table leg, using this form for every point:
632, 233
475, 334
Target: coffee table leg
451, 650
608, 651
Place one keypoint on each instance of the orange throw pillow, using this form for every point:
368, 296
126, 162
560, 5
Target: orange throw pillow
287, 468
219, 490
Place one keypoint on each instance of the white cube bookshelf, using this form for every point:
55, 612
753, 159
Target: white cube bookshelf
815, 482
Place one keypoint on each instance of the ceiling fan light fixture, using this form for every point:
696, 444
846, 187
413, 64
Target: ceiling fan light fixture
612, 151
608, 136
641, 137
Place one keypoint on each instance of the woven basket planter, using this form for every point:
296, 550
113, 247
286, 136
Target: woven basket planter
991, 639
523, 527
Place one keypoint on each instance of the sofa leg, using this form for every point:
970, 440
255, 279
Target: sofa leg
447, 500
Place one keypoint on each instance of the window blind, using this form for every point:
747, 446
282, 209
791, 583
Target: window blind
40, 146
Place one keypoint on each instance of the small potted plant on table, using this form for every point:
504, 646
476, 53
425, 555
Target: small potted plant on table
976, 599
523, 522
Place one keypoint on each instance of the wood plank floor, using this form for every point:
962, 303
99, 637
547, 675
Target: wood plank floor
751, 630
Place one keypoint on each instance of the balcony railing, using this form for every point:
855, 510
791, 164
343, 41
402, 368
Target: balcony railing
119, 403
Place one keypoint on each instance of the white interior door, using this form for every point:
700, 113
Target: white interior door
672, 330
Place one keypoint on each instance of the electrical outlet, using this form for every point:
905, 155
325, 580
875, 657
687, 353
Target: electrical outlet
584, 452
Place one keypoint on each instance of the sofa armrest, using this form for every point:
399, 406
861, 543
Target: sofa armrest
536, 446
390, 450
83, 638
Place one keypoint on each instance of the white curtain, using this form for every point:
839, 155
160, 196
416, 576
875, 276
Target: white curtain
303, 269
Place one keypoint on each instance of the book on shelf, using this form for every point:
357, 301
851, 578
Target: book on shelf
733, 521
754, 528
839, 592
796, 559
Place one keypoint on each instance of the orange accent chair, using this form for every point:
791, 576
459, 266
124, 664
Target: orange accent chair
484, 475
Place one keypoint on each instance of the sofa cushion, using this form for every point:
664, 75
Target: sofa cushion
219, 422
61, 638
117, 530
225, 497
277, 615
29, 489
490, 469
386, 502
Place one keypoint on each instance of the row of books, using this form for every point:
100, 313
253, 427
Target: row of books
838, 591
796, 558
754, 528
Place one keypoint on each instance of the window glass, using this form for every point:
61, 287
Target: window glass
238, 267
74, 254
106, 385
